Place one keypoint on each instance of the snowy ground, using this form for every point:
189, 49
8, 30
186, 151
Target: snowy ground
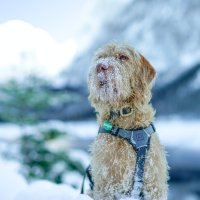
173, 132
14, 187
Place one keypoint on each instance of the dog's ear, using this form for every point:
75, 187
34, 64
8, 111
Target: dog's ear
149, 71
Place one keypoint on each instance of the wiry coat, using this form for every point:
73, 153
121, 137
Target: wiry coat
127, 81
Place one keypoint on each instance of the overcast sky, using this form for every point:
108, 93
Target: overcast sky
61, 18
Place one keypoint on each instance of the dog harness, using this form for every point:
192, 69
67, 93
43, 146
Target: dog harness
139, 139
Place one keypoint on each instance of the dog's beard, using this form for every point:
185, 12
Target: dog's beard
112, 86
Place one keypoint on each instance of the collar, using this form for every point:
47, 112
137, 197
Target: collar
123, 111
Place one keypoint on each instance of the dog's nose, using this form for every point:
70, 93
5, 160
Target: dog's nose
101, 67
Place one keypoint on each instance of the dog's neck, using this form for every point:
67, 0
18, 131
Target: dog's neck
141, 116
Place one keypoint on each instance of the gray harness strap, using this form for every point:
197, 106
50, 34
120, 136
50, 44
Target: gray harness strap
140, 141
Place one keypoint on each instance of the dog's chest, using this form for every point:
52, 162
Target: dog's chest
114, 158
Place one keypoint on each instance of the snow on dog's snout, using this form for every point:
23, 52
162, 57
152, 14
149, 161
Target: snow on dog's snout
110, 83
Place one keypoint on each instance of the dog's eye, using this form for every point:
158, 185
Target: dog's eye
123, 57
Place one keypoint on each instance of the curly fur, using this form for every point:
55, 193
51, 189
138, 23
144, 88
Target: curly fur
127, 81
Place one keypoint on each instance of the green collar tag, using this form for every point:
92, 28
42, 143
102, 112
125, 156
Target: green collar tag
107, 125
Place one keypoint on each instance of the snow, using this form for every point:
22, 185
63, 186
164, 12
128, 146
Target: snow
80, 155
9, 131
83, 197
14, 187
10, 179
73, 178
84, 129
45, 190
81, 129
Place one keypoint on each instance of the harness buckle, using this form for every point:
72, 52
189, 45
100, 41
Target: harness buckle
125, 111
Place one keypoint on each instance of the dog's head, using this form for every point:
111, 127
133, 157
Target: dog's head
119, 72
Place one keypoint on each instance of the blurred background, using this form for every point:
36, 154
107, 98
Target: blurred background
46, 121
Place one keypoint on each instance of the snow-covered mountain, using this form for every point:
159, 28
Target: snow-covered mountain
166, 32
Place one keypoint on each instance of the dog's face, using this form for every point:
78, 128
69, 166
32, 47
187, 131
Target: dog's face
117, 72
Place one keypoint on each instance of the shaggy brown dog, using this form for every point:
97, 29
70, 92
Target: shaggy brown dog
119, 77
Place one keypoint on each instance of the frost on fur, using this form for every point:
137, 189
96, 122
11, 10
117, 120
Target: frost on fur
124, 82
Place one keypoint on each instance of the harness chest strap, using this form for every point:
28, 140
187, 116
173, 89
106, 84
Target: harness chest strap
140, 141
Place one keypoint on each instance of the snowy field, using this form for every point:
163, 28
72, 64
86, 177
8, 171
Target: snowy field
174, 133
14, 187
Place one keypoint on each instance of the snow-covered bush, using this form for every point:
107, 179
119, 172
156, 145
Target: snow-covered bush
40, 162
43, 153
